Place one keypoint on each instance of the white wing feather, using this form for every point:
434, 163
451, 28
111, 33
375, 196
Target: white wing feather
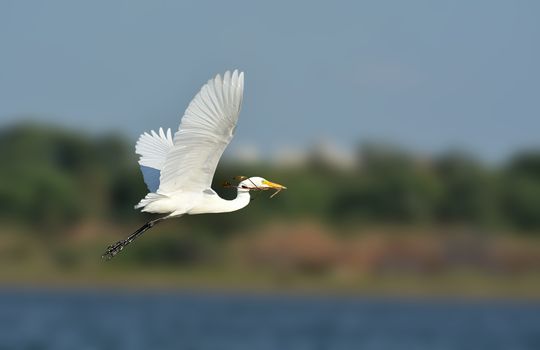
153, 148
206, 129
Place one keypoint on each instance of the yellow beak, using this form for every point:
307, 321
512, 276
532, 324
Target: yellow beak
274, 185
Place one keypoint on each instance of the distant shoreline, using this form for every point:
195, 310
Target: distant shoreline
416, 289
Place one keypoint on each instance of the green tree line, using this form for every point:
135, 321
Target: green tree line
53, 178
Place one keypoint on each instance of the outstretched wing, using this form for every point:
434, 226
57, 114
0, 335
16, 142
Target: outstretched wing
153, 148
205, 131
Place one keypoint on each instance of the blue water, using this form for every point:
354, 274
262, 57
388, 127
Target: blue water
79, 320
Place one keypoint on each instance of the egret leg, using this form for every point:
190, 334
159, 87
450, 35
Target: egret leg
117, 247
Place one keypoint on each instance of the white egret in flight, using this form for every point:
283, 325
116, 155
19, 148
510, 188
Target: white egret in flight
179, 170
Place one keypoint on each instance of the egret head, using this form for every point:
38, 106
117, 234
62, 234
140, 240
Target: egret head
258, 184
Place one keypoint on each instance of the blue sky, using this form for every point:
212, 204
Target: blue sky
423, 74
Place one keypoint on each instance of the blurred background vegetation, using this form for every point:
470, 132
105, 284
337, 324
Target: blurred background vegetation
387, 221
425, 237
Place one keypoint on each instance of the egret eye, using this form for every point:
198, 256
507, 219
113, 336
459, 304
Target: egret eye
244, 186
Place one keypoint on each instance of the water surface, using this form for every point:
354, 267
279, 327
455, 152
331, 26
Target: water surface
80, 320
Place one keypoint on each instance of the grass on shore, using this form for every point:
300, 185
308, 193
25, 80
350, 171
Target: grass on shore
29, 261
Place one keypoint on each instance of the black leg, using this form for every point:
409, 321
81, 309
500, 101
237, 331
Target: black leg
116, 248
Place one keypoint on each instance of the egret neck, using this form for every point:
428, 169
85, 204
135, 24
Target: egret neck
212, 203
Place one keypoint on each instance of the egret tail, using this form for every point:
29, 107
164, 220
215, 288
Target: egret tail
116, 248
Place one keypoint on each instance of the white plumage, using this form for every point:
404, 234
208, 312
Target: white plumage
179, 170
153, 148
205, 131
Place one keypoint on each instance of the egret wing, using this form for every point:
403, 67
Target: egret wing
206, 129
153, 148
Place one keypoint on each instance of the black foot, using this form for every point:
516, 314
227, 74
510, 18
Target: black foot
114, 249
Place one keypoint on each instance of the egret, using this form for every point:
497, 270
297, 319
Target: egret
178, 170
